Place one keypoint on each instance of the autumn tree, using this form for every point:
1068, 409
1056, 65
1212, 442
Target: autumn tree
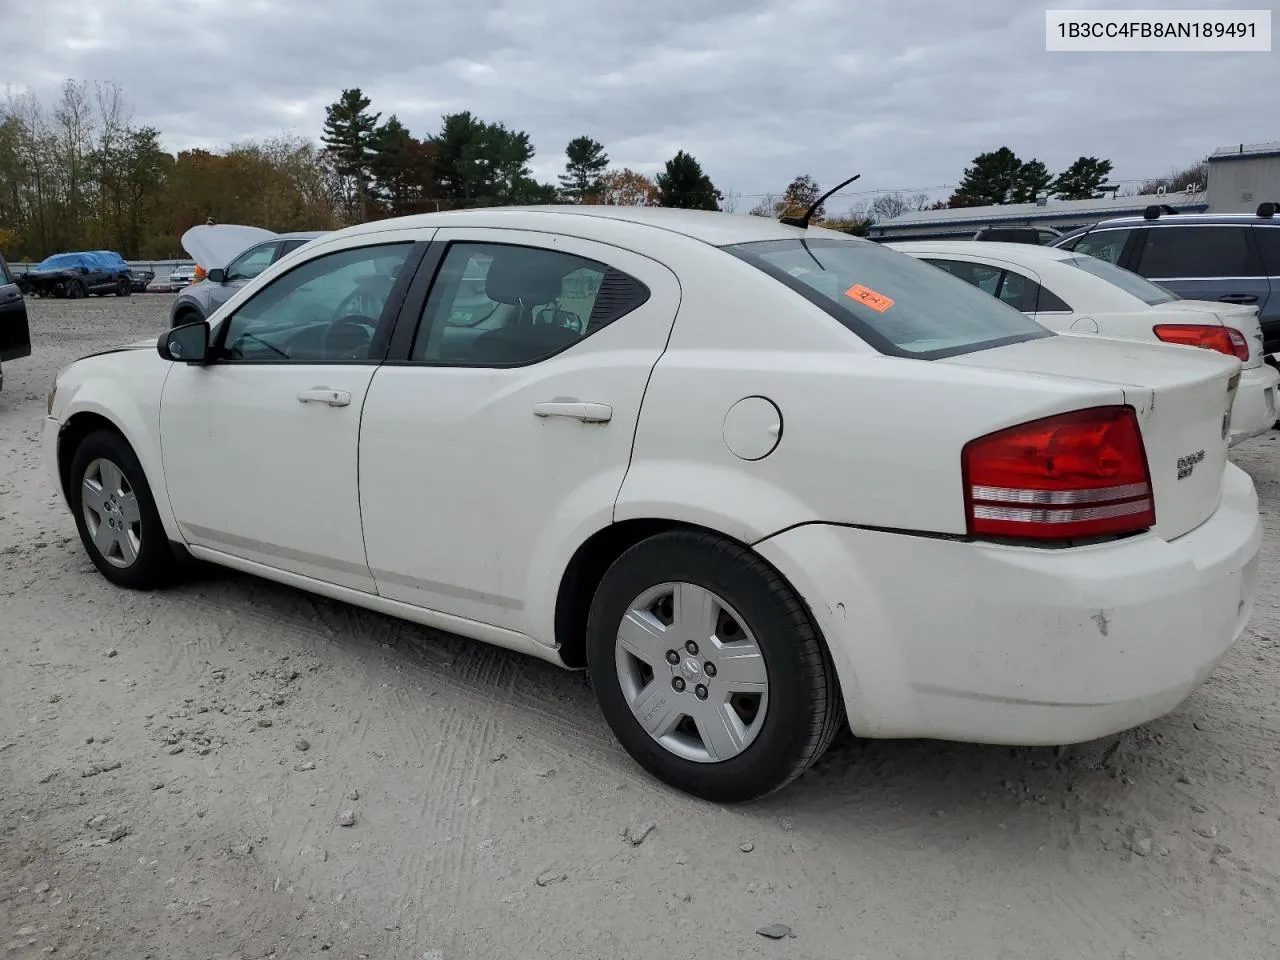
626, 188
1081, 180
799, 196
401, 168
683, 184
587, 161
349, 131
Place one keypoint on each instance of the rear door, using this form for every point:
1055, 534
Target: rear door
15, 335
496, 436
1267, 240
1211, 261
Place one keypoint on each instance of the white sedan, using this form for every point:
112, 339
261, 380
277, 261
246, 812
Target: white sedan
750, 475
1079, 294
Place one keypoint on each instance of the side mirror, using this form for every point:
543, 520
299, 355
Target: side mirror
188, 343
217, 275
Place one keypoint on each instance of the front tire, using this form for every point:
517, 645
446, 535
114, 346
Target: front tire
708, 668
76, 290
124, 287
116, 514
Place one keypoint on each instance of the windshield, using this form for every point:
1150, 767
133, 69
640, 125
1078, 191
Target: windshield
896, 303
1149, 293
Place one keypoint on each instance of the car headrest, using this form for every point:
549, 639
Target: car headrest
525, 276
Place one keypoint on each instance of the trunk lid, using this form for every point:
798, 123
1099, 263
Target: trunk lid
1242, 317
1182, 397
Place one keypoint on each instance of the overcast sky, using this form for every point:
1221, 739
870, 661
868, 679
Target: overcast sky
906, 92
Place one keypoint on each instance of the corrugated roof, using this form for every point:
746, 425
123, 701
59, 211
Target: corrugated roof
1101, 208
1246, 150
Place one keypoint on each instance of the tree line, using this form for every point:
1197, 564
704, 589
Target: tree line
80, 174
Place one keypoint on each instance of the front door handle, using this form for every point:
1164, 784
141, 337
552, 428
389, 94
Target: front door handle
334, 398
1238, 298
575, 410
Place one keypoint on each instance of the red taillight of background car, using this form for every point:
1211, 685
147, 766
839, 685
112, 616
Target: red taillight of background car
1226, 340
1071, 476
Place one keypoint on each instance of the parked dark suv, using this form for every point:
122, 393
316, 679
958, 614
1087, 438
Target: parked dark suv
1229, 257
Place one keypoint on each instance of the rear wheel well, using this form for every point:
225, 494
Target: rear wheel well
587, 569
72, 434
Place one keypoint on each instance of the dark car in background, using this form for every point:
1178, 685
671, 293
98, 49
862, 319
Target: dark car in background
1228, 257
76, 275
1039, 236
140, 279
15, 335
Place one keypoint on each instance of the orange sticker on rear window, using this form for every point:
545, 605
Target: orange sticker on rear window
869, 298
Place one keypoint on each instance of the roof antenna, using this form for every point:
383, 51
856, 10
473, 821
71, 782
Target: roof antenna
803, 222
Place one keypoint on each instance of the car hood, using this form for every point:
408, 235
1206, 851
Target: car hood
213, 246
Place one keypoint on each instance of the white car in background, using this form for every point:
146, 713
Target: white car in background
1076, 293
750, 475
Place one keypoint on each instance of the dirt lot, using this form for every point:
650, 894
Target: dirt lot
174, 769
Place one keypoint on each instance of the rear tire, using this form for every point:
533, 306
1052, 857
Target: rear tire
751, 700
116, 515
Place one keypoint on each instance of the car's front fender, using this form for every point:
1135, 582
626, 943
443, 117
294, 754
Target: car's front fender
122, 388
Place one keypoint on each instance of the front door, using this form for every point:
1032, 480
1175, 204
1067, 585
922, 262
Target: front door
260, 446
499, 439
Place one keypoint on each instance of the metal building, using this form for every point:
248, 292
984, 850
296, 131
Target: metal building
1064, 216
1244, 176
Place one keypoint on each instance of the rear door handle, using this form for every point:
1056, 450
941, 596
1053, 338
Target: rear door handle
575, 410
1238, 298
334, 398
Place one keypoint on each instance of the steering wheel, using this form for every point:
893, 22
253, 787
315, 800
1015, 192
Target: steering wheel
347, 336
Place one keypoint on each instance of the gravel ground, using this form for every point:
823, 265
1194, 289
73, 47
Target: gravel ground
234, 769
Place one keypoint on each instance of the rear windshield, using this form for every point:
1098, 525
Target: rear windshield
896, 303
1128, 281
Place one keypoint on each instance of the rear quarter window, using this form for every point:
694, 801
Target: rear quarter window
899, 305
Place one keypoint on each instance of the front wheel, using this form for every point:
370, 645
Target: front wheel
76, 290
116, 514
709, 669
124, 287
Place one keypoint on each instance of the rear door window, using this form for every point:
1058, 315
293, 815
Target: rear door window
896, 303
1104, 244
1208, 252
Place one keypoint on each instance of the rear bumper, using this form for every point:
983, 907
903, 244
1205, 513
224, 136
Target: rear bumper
997, 644
1254, 410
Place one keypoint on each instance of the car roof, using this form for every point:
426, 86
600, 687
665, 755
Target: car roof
299, 235
1170, 219
713, 227
1025, 252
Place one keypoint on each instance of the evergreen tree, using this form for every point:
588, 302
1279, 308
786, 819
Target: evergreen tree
349, 130
581, 180
683, 184
1081, 180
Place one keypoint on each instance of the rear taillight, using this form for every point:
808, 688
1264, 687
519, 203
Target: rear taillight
1223, 339
1075, 475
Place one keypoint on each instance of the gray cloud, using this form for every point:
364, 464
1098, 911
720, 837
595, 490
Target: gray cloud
904, 91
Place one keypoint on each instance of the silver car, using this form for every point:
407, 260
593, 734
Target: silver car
231, 255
